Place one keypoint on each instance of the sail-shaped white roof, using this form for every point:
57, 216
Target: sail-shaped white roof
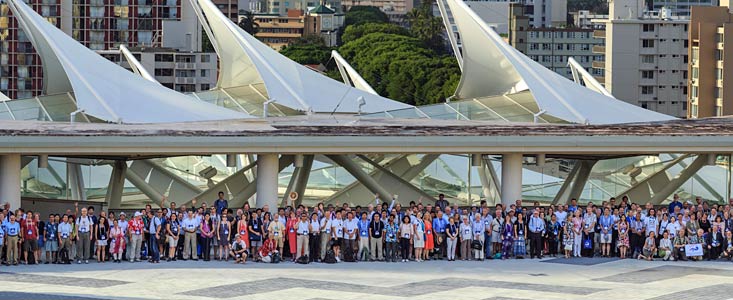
102, 88
580, 75
3, 97
247, 61
349, 75
493, 67
135, 65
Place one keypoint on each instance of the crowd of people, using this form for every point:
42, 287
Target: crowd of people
381, 231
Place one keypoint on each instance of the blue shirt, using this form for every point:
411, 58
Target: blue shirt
391, 231
13, 229
363, 228
439, 225
572, 209
674, 204
51, 231
220, 205
536, 224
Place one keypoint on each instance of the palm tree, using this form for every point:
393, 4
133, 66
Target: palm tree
248, 23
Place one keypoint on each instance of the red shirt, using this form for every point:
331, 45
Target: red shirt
136, 226
29, 229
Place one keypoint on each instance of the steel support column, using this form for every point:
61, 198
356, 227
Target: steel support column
299, 180
681, 178
355, 170
10, 180
116, 184
267, 171
581, 178
144, 187
511, 178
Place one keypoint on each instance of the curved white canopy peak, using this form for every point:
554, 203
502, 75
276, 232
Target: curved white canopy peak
3, 97
287, 82
350, 76
102, 88
136, 66
503, 69
580, 75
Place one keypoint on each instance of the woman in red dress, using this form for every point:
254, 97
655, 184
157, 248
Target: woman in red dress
429, 235
242, 228
291, 227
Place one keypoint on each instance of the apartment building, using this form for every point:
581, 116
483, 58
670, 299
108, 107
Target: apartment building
98, 24
178, 70
645, 57
552, 46
710, 30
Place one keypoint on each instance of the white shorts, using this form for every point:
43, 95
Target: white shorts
605, 238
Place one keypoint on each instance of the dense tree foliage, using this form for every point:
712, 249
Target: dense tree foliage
354, 32
404, 65
364, 14
308, 50
427, 27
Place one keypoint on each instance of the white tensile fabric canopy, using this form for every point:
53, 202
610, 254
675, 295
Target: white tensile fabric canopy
3, 97
349, 75
493, 67
247, 61
103, 89
135, 65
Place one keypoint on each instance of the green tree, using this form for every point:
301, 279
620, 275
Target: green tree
308, 50
364, 14
354, 32
427, 27
249, 24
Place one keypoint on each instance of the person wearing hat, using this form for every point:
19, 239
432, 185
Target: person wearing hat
239, 249
135, 233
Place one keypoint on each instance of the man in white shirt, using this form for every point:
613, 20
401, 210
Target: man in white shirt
351, 228
83, 233
190, 225
302, 231
561, 214
651, 223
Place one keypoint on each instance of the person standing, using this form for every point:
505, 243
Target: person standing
465, 234
118, 243
406, 232
391, 231
363, 227
439, 226
223, 234
155, 225
478, 228
12, 237
276, 231
376, 238
303, 229
135, 232
220, 204
314, 237
172, 230
102, 232
606, 222
29, 228
351, 226
207, 232
536, 230
51, 245
65, 231
190, 226
325, 233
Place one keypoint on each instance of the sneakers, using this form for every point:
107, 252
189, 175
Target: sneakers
78, 261
86, 261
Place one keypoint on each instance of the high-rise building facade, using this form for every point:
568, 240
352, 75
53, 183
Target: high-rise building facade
710, 62
645, 57
680, 7
97, 24
552, 46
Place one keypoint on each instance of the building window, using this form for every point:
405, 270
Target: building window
205, 58
693, 92
647, 43
205, 86
718, 54
204, 73
719, 74
647, 90
647, 74
164, 57
648, 27
719, 38
695, 73
647, 59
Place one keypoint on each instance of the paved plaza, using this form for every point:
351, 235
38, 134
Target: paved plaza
513, 279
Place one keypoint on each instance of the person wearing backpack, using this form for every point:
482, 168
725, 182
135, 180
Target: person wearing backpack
84, 225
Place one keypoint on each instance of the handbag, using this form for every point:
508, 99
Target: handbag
476, 245
587, 244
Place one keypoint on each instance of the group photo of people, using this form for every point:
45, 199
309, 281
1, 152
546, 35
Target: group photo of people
383, 231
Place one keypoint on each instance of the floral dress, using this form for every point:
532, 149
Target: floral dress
507, 240
520, 244
623, 235
118, 240
568, 237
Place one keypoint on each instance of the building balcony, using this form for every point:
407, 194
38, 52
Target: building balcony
185, 80
599, 49
187, 66
599, 34
598, 64
719, 64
